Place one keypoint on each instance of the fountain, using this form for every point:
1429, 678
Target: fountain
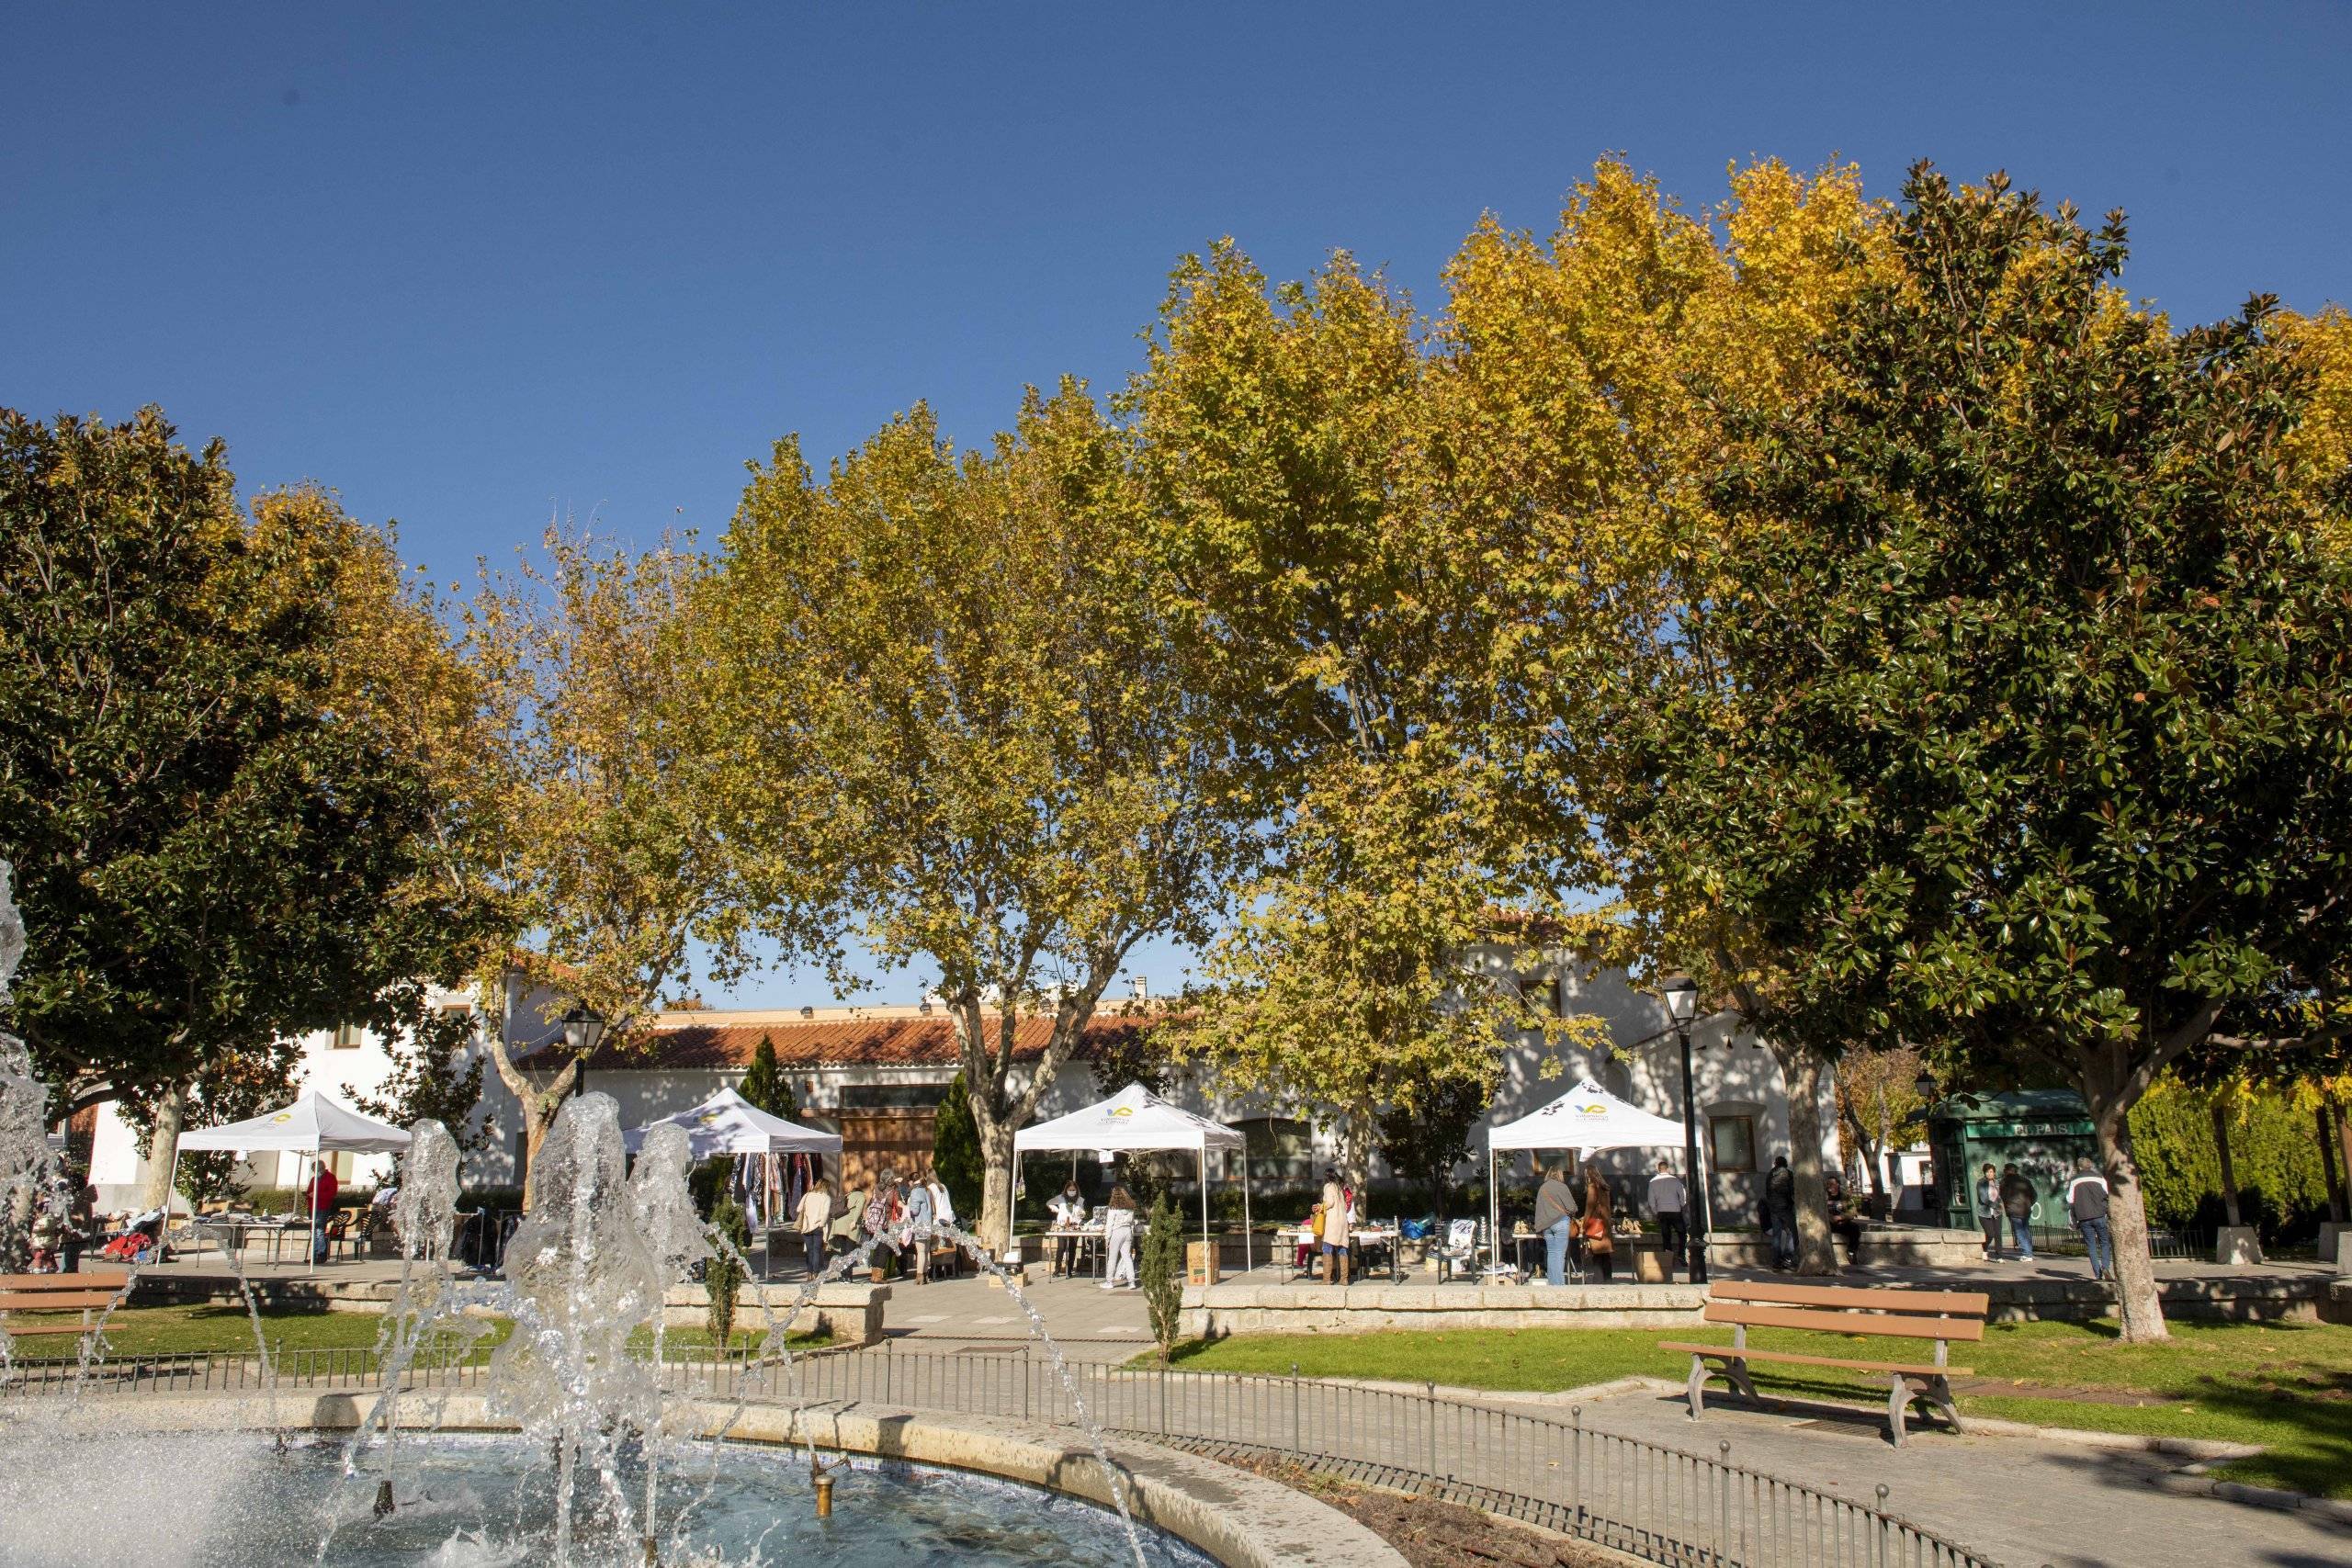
578, 1480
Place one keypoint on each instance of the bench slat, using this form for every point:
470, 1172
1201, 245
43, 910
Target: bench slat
1964, 1303
1912, 1369
16, 1328
1892, 1326
56, 1300
88, 1280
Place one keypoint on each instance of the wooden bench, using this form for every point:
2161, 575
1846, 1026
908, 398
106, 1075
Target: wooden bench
93, 1291
1940, 1315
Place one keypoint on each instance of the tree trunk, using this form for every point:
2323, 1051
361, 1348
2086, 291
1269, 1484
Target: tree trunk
2325, 1116
2343, 1150
163, 1148
1801, 1074
2138, 1302
2229, 1176
538, 1105
995, 1227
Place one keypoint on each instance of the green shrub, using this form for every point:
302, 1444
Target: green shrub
1161, 1273
723, 1278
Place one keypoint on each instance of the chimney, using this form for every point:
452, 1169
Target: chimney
1141, 989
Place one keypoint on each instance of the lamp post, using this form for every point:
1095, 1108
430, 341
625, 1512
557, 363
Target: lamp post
1682, 1005
583, 1030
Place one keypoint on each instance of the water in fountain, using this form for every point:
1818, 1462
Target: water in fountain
581, 1280
26, 1169
860, 1258
673, 1232
428, 1309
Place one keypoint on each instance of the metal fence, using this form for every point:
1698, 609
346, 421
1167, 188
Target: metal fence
1664, 1505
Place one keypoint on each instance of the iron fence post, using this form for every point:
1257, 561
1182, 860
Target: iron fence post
1723, 1503
1293, 1409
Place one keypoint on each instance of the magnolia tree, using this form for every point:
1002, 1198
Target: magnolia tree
939, 711
2038, 654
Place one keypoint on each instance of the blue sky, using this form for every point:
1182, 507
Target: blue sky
472, 266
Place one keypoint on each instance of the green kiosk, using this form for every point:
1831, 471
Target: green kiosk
2040, 1131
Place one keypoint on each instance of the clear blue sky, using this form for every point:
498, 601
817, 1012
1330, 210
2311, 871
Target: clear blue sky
472, 264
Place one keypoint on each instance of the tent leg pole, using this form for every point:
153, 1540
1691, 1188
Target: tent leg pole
1249, 1235
1204, 1193
1494, 1212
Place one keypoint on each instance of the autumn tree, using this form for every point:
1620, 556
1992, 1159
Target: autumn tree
941, 715
1583, 389
2039, 651
1878, 1099
222, 831
604, 869
1366, 642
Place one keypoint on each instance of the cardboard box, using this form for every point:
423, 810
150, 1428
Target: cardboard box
1200, 1263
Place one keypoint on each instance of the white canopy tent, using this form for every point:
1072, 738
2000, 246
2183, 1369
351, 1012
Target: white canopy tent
1586, 1119
312, 1125
727, 1123
1135, 1119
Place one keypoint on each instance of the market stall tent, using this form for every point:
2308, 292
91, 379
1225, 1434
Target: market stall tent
727, 1123
312, 1125
1586, 1119
1135, 1120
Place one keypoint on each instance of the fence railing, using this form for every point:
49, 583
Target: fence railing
1662, 1505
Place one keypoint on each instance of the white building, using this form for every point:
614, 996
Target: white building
874, 1075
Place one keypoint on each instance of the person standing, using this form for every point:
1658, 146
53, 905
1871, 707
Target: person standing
2017, 1202
1667, 1200
1989, 1213
322, 1191
1780, 1212
877, 1225
943, 1212
920, 1214
1600, 1240
2086, 1206
1119, 1240
1335, 1200
1554, 1213
815, 1213
1069, 1214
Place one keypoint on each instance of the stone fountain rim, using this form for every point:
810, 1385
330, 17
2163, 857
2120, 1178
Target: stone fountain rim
1240, 1520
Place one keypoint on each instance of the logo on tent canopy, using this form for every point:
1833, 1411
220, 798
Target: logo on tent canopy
283, 1116
1593, 1111
707, 1119
1123, 1110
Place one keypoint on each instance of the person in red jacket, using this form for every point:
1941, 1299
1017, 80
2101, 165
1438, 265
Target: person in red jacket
323, 1193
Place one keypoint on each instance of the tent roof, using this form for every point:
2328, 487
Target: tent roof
312, 1125
1135, 1118
727, 1123
1587, 1117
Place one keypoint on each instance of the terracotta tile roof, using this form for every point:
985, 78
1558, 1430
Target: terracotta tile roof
685, 1044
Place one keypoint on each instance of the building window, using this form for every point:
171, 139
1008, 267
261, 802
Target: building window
1281, 1151
347, 1036
1732, 1142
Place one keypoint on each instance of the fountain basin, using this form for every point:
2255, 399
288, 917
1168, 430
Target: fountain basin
1213, 1512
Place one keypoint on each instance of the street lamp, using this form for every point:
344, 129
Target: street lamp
1681, 1006
1924, 1085
584, 1029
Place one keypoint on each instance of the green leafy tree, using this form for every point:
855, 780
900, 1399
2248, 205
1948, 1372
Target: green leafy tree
2028, 682
939, 713
1160, 1272
234, 1088
223, 830
1424, 1142
956, 1148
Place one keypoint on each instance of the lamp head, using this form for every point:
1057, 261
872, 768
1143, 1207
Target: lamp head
1681, 994
582, 1028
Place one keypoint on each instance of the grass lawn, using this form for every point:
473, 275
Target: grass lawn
2285, 1387
179, 1330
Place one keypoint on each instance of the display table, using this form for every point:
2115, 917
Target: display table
1361, 1239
